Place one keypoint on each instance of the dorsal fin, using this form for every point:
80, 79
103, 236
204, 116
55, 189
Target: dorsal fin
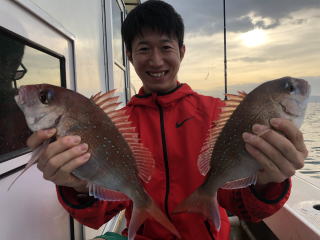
242, 93
106, 101
215, 129
143, 157
97, 97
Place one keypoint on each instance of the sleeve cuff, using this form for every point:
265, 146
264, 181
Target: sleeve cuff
273, 192
74, 199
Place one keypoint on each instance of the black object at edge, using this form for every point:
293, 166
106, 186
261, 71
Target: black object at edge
285, 191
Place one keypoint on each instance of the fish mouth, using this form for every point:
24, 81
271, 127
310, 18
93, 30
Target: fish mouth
20, 95
284, 109
57, 121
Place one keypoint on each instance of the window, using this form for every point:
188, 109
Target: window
119, 63
21, 63
117, 40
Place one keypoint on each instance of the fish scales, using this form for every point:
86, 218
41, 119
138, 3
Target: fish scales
223, 158
230, 143
114, 170
103, 159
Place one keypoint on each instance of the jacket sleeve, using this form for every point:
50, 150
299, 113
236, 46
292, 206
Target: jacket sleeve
88, 210
247, 204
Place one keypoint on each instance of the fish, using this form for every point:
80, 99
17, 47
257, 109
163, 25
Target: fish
118, 163
223, 159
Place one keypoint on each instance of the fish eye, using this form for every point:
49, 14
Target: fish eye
289, 86
45, 96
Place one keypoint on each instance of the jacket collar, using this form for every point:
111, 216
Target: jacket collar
162, 99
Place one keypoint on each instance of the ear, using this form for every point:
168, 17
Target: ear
182, 51
129, 55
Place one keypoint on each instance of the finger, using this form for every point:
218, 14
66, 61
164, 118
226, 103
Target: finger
56, 162
39, 137
269, 154
267, 166
291, 132
66, 170
60, 145
75, 163
69, 181
281, 143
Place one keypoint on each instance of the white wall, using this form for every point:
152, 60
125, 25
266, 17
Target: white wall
30, 210
83, 19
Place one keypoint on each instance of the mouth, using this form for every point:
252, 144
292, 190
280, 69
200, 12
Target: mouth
285, 110
19, 93
157, 74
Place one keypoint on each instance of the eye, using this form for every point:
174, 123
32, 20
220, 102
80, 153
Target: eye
289, 86
143, 49
45, 96
167, 47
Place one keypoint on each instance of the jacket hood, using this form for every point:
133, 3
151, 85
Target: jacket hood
162, 99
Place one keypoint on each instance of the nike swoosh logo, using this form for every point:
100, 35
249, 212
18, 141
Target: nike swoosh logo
179, 124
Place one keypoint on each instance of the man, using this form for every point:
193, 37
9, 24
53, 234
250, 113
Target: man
172, 121
13, 134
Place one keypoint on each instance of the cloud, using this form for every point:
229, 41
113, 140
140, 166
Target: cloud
251, 59
206, 16
292, 47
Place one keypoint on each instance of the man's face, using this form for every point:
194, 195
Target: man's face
156, 59
10, 57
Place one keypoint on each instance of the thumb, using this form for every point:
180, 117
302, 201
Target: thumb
39, 137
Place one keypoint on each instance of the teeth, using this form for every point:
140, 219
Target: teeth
157, 74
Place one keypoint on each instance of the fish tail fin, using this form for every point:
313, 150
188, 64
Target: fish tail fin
202, 203
139, 215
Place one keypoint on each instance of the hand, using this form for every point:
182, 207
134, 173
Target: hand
280, 154
61, 158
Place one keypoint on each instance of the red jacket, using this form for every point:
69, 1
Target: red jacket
173, 126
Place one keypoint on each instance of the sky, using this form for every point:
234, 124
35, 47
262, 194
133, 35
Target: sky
265, 40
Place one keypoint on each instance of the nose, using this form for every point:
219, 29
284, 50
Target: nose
156, 58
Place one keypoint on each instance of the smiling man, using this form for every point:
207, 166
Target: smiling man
173, 121
156, 59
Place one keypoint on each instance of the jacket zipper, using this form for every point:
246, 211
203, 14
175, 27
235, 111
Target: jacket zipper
165, 159
207, 224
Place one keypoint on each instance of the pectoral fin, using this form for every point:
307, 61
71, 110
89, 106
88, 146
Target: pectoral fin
37, 152
241, 183
105, 194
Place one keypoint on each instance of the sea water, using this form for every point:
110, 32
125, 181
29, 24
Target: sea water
311, 132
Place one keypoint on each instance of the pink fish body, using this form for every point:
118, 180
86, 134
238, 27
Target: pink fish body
118, 159
223, 158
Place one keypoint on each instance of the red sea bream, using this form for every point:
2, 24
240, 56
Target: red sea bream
118, 159
223, 158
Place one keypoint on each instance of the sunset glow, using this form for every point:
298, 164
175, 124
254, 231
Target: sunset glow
262, 44
254, 38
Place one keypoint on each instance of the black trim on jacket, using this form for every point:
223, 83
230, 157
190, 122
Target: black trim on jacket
87, 201
165, 159
159, 93
285, 191
207, 224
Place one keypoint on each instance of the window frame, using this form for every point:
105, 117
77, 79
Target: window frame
108, 47
30, 15
14, 154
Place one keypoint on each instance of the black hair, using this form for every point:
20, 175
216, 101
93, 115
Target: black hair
155, 15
